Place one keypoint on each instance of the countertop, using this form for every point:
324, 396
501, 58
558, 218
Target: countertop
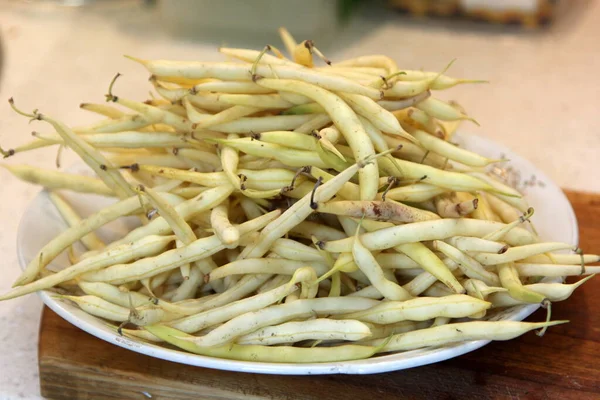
541, 101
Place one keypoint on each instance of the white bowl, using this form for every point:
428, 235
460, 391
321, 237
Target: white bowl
554, 218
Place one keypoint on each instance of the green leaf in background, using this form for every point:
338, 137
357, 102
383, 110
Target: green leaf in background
346, 7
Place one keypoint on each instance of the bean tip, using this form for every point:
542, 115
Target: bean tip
136, 59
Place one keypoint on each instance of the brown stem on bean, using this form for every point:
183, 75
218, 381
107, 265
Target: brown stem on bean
35, 115
310, 45
387, 80
243, 179
7, 153
302, 171
314, 205
462, 208
253, 74
254, 136
392, 181
109, 96
135, 167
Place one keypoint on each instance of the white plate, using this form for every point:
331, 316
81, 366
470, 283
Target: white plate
554, 219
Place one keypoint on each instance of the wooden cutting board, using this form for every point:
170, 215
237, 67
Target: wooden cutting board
564, 364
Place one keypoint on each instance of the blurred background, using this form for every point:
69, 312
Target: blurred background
540, 56
541, 59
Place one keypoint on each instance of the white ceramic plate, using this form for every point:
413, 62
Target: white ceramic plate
554, 219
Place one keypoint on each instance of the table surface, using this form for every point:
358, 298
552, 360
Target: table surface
541, 101
561, 365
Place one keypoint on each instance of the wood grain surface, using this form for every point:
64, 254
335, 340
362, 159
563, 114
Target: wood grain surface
564, 364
